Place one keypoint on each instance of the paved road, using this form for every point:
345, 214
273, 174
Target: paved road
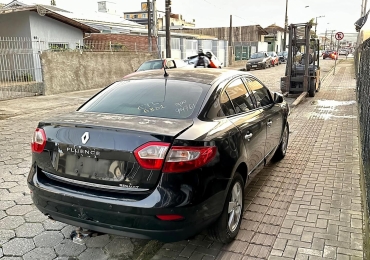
27, 234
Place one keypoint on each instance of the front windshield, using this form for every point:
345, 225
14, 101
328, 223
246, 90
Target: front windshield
257, 55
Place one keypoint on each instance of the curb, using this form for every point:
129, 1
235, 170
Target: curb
304, 94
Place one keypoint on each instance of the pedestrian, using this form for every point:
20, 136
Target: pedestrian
203, 61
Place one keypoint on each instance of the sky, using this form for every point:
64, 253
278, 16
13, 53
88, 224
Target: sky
339, 15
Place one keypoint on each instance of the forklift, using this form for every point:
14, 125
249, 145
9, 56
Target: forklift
302, 73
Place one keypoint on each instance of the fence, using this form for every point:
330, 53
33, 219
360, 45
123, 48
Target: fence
244, 50
362, 62
20, 68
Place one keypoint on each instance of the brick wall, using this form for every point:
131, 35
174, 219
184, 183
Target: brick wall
129, 42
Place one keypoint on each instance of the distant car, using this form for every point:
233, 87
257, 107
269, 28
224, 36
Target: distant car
343, 52
259, 60
168, 63
283, 56
330, 54
274, 58
215, 62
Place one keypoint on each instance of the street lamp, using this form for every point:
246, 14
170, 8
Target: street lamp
316, 22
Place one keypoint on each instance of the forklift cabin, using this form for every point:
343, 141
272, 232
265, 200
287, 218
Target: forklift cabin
302, 73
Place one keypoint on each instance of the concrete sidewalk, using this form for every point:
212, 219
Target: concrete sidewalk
308, 206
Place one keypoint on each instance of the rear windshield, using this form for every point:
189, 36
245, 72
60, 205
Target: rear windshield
257, 55
151, 65
153, 98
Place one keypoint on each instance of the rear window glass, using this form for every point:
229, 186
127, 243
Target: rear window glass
151, 65
153, 98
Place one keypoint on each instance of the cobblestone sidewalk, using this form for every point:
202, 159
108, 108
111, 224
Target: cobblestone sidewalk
308, 206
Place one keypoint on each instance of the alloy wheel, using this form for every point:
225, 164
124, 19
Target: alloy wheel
235, 207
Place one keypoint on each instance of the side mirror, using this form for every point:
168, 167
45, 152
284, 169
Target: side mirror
278, 98
135, 70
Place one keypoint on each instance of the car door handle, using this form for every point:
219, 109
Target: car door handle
269, 123
248, 136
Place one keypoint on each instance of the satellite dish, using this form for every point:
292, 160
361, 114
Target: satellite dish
41, 10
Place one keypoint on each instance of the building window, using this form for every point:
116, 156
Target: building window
127, 16
175, 43
143, 15
135, 15
58, 46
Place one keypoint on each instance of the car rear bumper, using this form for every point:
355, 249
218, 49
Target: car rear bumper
255, 66
130, 217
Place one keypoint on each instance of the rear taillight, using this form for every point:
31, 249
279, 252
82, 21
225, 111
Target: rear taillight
185, 158
152, 156
38, 141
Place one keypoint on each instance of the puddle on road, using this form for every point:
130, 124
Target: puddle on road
330, 106
332, 103
330, 116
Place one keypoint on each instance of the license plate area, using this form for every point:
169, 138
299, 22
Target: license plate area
89, 164
254, 66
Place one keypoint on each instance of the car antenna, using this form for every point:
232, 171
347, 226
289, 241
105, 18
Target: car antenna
160, 56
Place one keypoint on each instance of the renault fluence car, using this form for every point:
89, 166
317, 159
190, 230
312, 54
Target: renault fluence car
159, 157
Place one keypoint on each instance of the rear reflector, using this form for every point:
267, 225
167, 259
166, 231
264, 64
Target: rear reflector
38, 141
152, 156
170, 217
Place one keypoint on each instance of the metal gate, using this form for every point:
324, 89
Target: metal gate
20, 67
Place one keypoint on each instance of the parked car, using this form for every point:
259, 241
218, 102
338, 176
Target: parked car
274, 58
168, 63
159, 157
330, 54
343, 52
259, 60
283, 56
214, 61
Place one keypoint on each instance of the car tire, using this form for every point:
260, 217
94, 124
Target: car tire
227, 226
273, 64
281, 150
248, 69
264, 66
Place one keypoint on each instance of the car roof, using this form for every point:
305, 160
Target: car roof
199, 75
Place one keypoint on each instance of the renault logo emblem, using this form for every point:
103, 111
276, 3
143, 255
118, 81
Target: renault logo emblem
85, 137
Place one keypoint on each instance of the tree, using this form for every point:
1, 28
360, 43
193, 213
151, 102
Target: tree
312, 23
52, 2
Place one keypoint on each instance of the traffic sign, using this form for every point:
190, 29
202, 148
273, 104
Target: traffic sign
339, 36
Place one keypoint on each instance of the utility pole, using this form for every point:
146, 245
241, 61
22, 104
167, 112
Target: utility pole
168, 32
286, 24
326, 32
149, 25
155, 30
231, 31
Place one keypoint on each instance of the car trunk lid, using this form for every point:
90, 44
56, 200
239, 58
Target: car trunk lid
97, 150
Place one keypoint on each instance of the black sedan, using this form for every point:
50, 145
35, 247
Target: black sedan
159, 157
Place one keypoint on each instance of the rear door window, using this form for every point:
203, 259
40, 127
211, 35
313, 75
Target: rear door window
153, 98
239, 96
